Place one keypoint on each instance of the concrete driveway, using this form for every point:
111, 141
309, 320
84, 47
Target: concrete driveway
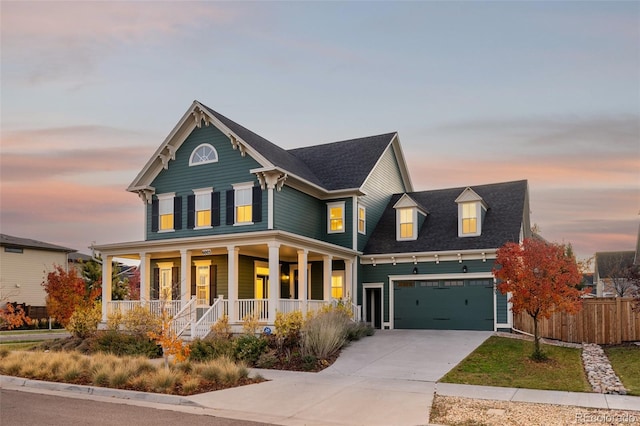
422, 355
385, 379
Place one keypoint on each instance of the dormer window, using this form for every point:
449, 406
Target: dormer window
409, 217
471, 211
203, 154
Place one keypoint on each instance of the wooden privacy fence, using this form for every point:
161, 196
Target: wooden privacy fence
605, 321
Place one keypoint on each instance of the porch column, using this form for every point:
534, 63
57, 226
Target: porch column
303, 284
232, 284
348, 279
326, 277
274, 279
145, 276
107, 269
185, 276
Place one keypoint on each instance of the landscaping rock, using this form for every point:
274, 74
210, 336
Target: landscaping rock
599, 371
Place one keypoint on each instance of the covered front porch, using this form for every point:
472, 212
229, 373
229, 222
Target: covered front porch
198, 280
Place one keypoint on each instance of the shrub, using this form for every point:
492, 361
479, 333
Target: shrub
324, 334
356, 331
248, 348
267, 359
114, 321
140, 321
84, 320
210, 348
251, 323
221, 329
164, 380
120, 344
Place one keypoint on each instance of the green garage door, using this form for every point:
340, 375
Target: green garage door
444, 305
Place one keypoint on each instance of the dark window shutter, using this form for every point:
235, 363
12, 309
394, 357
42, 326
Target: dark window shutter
215, 209
155, 215
175, 283
155, 285
191, 211
193, 281
212, 284
177, 213
230, 207
256, 209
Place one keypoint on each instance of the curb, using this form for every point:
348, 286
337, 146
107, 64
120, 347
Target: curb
100, 391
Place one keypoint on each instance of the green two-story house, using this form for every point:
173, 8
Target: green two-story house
237, 225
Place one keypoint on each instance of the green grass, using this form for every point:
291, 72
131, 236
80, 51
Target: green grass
625, 361
20, 346
501, 361
40, 331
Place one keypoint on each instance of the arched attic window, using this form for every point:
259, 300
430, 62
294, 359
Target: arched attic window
203, 154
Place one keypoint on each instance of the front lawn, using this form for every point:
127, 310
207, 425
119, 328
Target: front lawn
625, 361
503, 361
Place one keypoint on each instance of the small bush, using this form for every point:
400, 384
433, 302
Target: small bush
248, 348
140, 321
251, 323
324, 334
164, 381
210, 348
84, 320
267, 359
356, 331
119, 343
221, 329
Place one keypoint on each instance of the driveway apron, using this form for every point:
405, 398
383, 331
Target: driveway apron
385, 379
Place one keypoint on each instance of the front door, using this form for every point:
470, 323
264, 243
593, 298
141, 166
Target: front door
373, 314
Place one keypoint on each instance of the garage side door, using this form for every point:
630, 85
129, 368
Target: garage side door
444, 304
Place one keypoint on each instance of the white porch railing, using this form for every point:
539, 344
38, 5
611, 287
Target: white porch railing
201, 328
154, 306
183, 319
249, 307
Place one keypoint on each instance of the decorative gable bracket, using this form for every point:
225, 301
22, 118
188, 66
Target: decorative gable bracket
271, 179
200, 116
146, 194
169, 155
236, 144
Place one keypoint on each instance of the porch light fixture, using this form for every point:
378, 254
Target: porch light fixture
464, 269
415, 270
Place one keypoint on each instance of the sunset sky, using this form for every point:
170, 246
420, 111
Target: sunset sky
480, 92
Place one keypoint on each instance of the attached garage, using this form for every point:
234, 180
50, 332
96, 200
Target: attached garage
443, 304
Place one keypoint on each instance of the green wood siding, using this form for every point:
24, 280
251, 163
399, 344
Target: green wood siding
384, 181
230, 169
344, 239
501, 308
299, 213
246, 277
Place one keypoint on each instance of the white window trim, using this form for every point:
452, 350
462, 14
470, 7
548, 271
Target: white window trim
478, 220
198, 163
201, 192
364, 231
236, 187
414, 219
163, 197
340, 204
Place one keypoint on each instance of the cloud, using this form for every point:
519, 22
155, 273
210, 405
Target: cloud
66, 41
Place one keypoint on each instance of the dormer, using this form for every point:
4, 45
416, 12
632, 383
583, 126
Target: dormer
471, 212
409, 217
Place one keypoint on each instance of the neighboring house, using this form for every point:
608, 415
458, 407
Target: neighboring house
588, 284
236, 224
24, 264
77, 260
612, 273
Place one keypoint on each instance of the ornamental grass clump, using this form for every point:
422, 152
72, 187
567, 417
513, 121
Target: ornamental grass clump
324, 334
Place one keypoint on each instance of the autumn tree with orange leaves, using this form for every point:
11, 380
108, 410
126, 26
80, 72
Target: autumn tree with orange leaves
542, 278
67, 291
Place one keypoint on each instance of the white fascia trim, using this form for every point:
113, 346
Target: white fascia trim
404, 170
425, 257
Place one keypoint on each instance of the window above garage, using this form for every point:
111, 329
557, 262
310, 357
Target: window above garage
408, 214
471, 212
